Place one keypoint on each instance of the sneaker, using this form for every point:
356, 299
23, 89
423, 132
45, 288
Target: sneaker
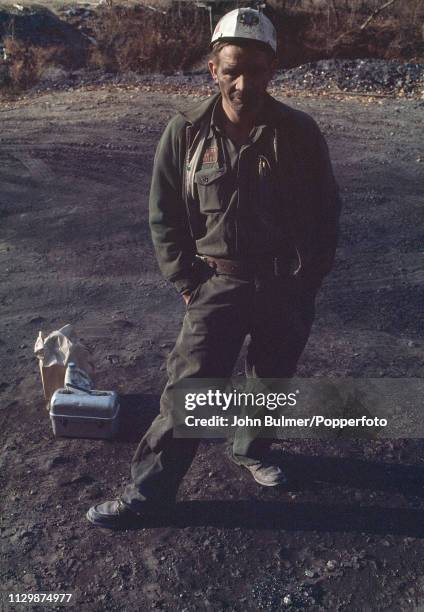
266, 474
112, 515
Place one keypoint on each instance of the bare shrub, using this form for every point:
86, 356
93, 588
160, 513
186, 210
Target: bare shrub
133, 39
27, 63
22, 63
348, 28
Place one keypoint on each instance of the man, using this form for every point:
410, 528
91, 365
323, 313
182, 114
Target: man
243, 215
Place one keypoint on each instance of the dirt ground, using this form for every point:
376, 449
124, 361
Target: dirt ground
75, 248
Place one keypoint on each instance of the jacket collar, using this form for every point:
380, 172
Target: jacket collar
196, 113
272, 110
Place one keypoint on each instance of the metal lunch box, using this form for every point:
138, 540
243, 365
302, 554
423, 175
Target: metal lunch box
93, 414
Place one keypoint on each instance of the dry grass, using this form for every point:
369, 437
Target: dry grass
29, 63
399, 7
139, 40
315, 29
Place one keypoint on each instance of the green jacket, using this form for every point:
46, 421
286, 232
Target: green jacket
309, 193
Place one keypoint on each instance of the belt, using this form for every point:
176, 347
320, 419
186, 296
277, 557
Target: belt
246, 268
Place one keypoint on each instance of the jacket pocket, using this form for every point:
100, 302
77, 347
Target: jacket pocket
205, 273
210, 188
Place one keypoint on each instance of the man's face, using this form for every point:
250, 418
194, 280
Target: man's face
242, 74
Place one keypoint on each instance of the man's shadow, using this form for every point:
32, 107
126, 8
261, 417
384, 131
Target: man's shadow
136, 414
258, 514
305, 472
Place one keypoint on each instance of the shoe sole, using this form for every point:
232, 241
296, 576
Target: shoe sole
281, 483
269, 484
113, 524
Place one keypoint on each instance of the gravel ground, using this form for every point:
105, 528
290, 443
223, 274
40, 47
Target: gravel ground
367, 77
364, 75
347, 535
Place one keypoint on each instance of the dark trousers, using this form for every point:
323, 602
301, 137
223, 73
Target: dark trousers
222, 311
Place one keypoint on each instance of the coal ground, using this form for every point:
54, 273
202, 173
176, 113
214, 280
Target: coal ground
348, 532
359, 76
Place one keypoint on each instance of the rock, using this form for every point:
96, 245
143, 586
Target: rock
93, 492
60, 460
53, 74
37, 319
29, 579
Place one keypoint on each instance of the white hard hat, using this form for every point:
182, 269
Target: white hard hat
245, 23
